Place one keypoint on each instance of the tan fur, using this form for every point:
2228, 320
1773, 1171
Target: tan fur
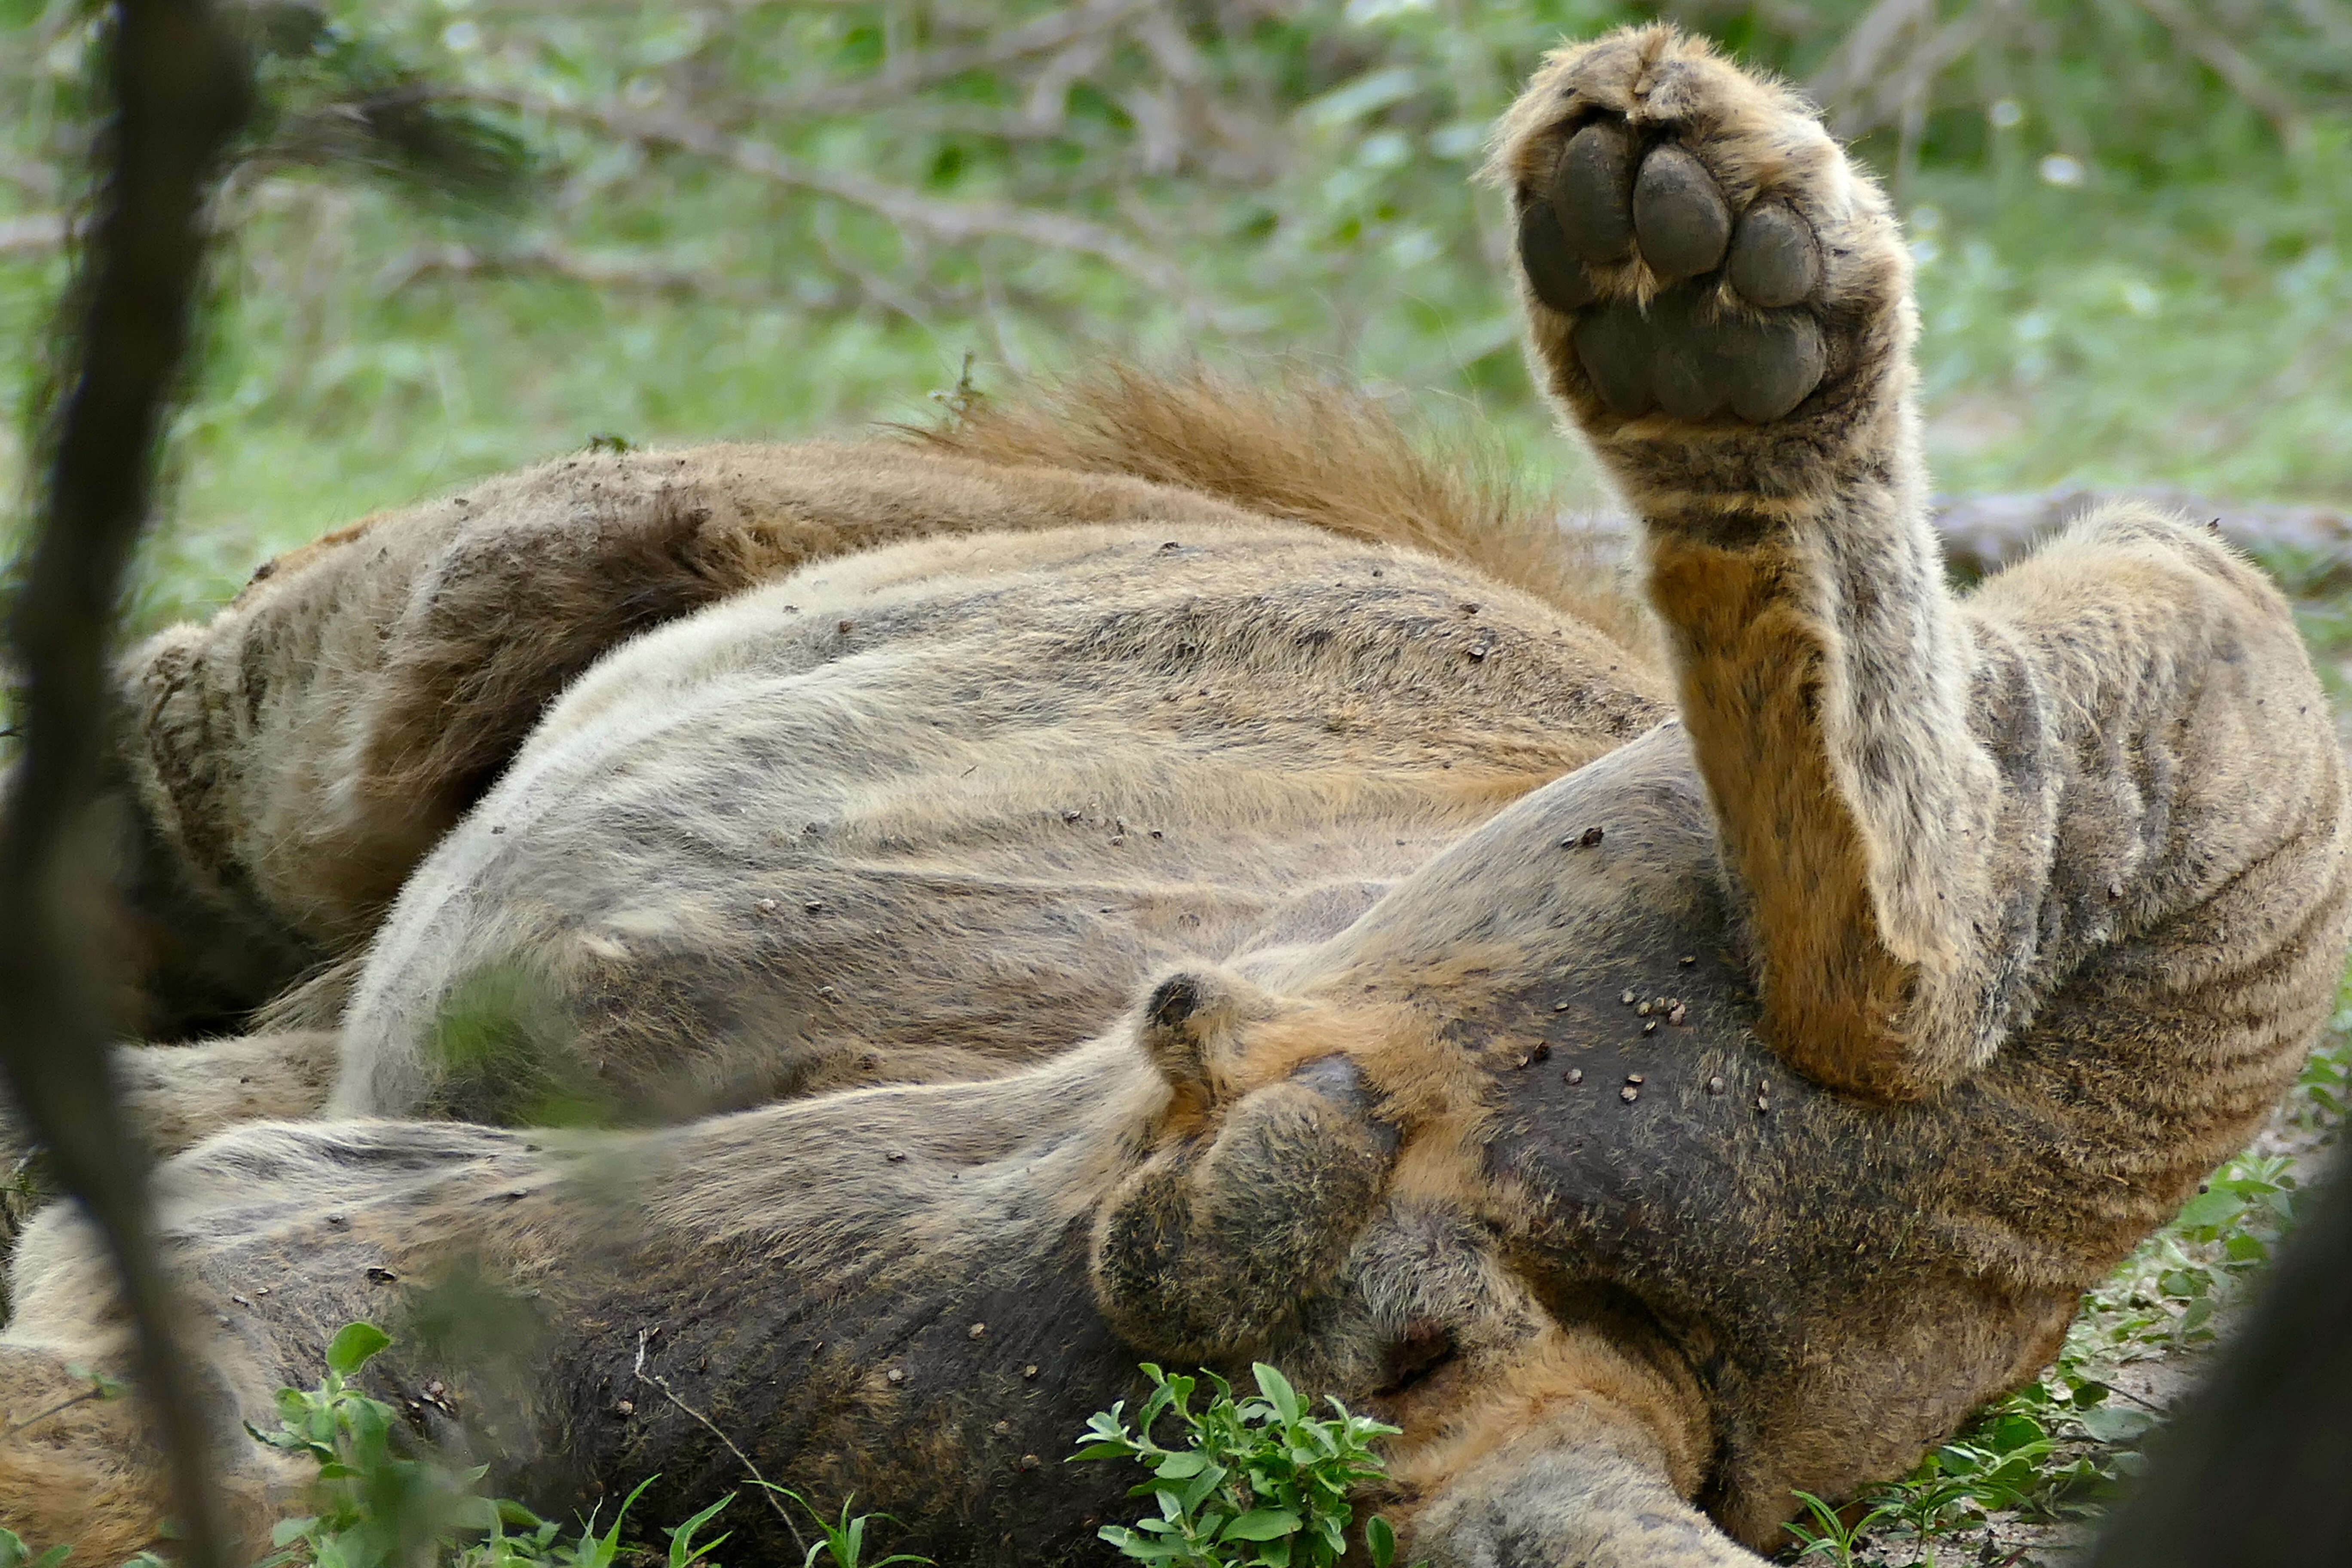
1302, 450
1228, 925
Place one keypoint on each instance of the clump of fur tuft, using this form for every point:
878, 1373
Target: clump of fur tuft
1304, 451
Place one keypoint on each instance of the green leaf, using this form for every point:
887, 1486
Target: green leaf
2209, 1209
2115, 1422
1190, 1493
2090, 1391
354, 1345
1380, 1540
1277, 1391
1177, 1467
1262, 1524
474, 1514
2017, 1431
2244, 1248
682, 1550
14, 1553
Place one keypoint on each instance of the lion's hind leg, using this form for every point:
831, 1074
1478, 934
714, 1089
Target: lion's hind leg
180, 1095
176, 1096
76, 1469
1584, 1450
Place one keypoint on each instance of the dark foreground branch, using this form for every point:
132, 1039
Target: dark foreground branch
179, 90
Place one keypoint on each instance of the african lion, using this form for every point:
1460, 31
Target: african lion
1167, 881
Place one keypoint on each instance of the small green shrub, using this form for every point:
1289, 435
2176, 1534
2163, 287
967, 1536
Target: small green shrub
14, 1553
841, 1540
385, 1503
1825, 1533
1257, 1482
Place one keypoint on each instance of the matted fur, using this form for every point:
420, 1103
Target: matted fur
1306, 451
1190, 932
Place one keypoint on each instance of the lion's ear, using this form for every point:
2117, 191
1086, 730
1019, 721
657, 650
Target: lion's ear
1192, 1029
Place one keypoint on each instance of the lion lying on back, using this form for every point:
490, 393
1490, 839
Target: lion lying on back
1255, 909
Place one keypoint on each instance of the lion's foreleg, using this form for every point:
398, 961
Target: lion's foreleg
1723, 304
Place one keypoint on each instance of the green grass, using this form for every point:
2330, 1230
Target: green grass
2182, 315
2056, 1452
2198, 335
2199, 338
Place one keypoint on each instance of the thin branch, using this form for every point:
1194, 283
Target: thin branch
178, 90
37, 181
610, 274
1861, 58
768, 1490
2233, 66
2329, 17
1044, 35
38, 234
948, 223
1903, 87
95, 1390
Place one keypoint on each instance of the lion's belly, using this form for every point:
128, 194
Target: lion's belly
1842, 1277
894, 826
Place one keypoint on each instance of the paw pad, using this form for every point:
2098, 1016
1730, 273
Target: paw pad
1593, 193
1695, 352
1774, 261
1678, 360
1681, 218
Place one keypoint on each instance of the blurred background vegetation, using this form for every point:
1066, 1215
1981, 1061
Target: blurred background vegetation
468, 234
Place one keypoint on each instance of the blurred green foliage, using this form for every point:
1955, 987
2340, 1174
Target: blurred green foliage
472, 233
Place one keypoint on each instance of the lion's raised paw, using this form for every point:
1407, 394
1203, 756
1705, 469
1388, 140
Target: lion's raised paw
1675, 211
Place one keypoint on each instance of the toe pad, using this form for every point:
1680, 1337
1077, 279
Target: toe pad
1554, 273
1590, 193
1775, 260
1680, 218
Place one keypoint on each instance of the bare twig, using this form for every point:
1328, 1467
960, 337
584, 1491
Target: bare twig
767, 1489
179, 90
36, 236
95, 1390
1903, 95
37, 181
949, 223
611, 274
1046, 34
2329, 17
2232, 64
1861, 57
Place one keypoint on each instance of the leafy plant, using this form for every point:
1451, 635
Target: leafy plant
377, 1503
1828, 1535
383, 1503
683, 1552
841, 1540
14, 1553
1258, 1480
